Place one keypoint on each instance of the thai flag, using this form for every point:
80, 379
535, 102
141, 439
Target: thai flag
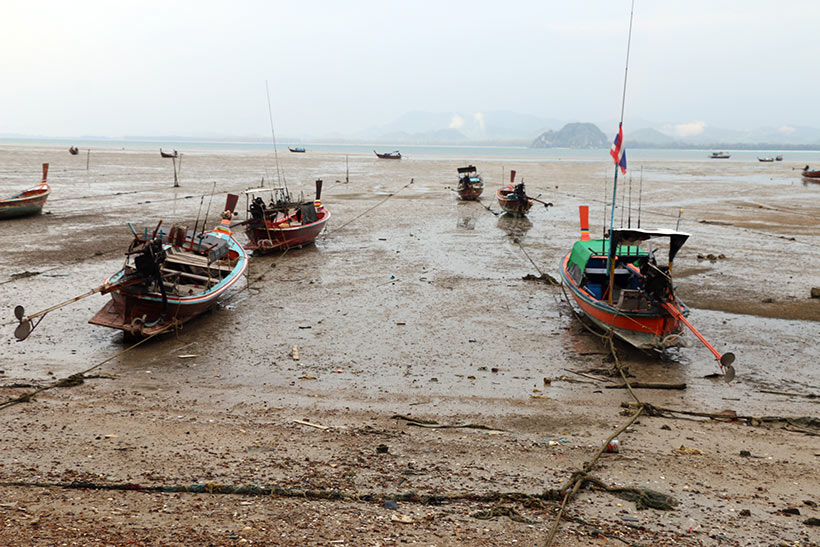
618, 150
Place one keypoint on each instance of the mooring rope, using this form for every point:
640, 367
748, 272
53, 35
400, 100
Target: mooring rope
79, 377
330, 232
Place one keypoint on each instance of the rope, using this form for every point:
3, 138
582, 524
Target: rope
368, 210
79, 377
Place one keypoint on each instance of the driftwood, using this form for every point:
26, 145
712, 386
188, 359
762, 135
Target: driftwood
647, 385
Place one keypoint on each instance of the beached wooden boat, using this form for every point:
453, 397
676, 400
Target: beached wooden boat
282, 223
765, 159
470, 183
622, 288
719, 156
513, 199
778, 158
297, 149
811, 173
73, 150
27, 202
172, 277
626, 306
394, 155
173, 154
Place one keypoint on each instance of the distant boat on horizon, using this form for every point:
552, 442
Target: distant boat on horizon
394, 155
767, 159
719, 156
297, 149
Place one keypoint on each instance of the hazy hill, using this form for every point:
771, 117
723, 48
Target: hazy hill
459, 127
572, 135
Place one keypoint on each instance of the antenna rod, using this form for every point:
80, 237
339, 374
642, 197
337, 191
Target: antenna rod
626, 67
207, 210
609, 265
279, 173
640, 195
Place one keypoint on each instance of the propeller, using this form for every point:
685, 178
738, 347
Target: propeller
725, 361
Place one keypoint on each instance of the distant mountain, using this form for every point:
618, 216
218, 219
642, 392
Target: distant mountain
573, 135
648, 136
459, 127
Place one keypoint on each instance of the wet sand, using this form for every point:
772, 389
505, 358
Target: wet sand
413, 305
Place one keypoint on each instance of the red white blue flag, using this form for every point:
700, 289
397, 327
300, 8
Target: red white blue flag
618, 150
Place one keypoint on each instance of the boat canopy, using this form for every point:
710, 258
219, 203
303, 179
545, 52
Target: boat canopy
582, 251
632, 236
468, 169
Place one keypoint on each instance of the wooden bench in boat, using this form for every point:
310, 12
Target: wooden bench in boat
176, 256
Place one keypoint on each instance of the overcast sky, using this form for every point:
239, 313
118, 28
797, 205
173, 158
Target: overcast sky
116, 68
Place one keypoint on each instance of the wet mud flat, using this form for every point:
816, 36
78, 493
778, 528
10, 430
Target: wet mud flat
411, 305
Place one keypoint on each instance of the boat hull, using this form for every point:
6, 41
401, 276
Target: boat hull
470, 192
811, 174
267, 237
514, 206
23, 206
646, 329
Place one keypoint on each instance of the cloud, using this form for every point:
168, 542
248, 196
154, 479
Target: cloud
688, 129
457, 122
479, 119
786, 130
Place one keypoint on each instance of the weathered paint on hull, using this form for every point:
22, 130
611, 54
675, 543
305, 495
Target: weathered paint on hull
20, 211
264, 240
512, 207
470, 193
644, 330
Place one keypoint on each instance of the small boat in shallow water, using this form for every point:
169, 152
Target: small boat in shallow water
296, 149
394, 155
513, 199
171, 278
27, 202
719, 156
811, 173
470, 184
282, 223
766, 159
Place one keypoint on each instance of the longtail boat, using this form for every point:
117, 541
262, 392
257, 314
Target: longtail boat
296, 149
513, 199
811, 173
394, 155
27, 202
173, 154
719, 156
470, 183
171, 278
282, 223
622, 288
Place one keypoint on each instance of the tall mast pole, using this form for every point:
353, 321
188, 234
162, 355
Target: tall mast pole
609, 262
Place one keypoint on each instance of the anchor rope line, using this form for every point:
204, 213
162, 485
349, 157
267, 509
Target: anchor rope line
357, 217
78, 377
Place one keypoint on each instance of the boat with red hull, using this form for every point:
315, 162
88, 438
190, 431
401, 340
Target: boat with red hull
170, 278
632, 304
811, 173
282, 224
470, 184
27, 202
513, 199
